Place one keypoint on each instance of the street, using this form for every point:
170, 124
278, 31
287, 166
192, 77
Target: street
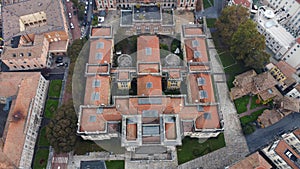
261, 137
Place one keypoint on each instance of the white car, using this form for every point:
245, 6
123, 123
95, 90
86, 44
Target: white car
86, 2
68, 0
70, 15
85, 7
91, 2
71, 25
60, 64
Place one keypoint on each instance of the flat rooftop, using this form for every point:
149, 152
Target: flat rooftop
32, 16
147, 13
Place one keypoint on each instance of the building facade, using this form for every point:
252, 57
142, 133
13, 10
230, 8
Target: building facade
126, 4
292, 55
25, 99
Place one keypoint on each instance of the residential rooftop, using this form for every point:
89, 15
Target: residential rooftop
253, 161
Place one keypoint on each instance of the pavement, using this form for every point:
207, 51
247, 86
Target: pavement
76, 33
236, 146
212, 12
261, 137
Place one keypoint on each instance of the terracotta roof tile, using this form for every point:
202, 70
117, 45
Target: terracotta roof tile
297, 133
148, 49
149, 85
190, 31
269, 117
15, 137
170, 130
148, 68
100, 51
245, 3
280, 150
254, 161
286, 69
131, 131
103, 31
97, 90
196, 47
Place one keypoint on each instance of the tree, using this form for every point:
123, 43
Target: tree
229, 21
248, 45
61, 131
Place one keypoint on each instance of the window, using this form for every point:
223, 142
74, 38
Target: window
148, 51
100, 45
149, 85
96, 96
96, 83
99, 56
92, 118
29, 54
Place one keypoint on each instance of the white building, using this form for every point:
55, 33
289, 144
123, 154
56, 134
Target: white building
292, 56
278, 39
291, 17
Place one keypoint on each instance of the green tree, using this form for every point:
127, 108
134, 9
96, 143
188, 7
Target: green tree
248, 45
61, 131
229, 21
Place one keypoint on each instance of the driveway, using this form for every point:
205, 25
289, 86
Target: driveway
261, 137
76, 33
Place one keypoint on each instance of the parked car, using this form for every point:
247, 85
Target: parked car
71, 25
70, 15
59, 59
60, 64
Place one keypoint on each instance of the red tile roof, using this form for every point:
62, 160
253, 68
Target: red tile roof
104, 51
297, 133
103, 90
254, 161
152, 82
207, 87
143, 44
170, 130
148, 67
201, 47
280, 150
191, 31
245, 3
298, 39
15, 138
105, 31
131, 131
286, 69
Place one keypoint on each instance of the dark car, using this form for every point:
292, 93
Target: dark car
59, 59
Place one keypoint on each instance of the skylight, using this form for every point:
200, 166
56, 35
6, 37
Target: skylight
92, 118
203, 94
100, 45
96, 96
207, 115
195, 43
99, 56
148, 51
201, 81
197, 54
149, 85
96, 83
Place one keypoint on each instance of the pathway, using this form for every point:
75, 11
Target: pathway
236, 147
249, 104
249, 112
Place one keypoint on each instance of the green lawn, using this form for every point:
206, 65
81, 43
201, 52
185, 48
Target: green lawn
210, 22
84, 146
41, 158
252, 118
206, 4
54, 88
253, 102
51, 107
226, 59
191, 148
241, 104
117, 164
43, 141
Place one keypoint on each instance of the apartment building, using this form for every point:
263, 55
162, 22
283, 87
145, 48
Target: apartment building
284, 153
278, 39
292, 55
22, 97
144, 116
290, 10
127, 4
32, 31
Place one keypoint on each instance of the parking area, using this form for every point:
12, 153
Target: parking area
60, 62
